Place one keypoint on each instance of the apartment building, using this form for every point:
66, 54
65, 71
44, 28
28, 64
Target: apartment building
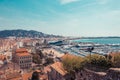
58, 72
22, 57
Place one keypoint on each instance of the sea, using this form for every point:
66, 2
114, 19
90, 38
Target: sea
109, 44
115, 41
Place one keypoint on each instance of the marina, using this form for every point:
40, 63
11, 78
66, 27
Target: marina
80, 46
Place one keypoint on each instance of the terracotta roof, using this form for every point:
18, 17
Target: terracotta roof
23, 54
20, 50
2, 57
19, 78
26, 76
1, 72
13, 75
58, 66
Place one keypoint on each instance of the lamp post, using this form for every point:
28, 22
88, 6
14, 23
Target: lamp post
90, 50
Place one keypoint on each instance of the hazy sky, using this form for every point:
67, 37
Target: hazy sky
63, 17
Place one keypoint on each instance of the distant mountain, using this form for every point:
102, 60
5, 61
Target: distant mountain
24, 33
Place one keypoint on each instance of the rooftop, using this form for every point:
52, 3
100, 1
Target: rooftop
21, 50
58, 66
23, 54
2, 57
26, 76
13, 76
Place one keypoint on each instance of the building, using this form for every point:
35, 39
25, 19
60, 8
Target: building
2, 59
27, 76
13, 76
19, 44
22, 57
58, 72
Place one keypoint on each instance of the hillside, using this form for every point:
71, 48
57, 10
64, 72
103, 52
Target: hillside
24, 33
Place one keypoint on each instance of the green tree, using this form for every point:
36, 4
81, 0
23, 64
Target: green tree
49, 61
39, 52
99, 60
37, 59
73, 63
116, 60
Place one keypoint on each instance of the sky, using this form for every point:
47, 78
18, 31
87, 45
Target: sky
88, 18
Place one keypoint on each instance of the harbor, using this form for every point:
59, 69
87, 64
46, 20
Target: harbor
80, 47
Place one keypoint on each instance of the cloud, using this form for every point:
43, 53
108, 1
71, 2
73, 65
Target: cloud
67, 1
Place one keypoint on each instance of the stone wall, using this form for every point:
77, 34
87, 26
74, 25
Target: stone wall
111, 74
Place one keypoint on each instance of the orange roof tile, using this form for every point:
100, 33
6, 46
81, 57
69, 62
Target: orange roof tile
20, 50
23, 54
2, 57
19, 78
13, 76
26, 76
58, 66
